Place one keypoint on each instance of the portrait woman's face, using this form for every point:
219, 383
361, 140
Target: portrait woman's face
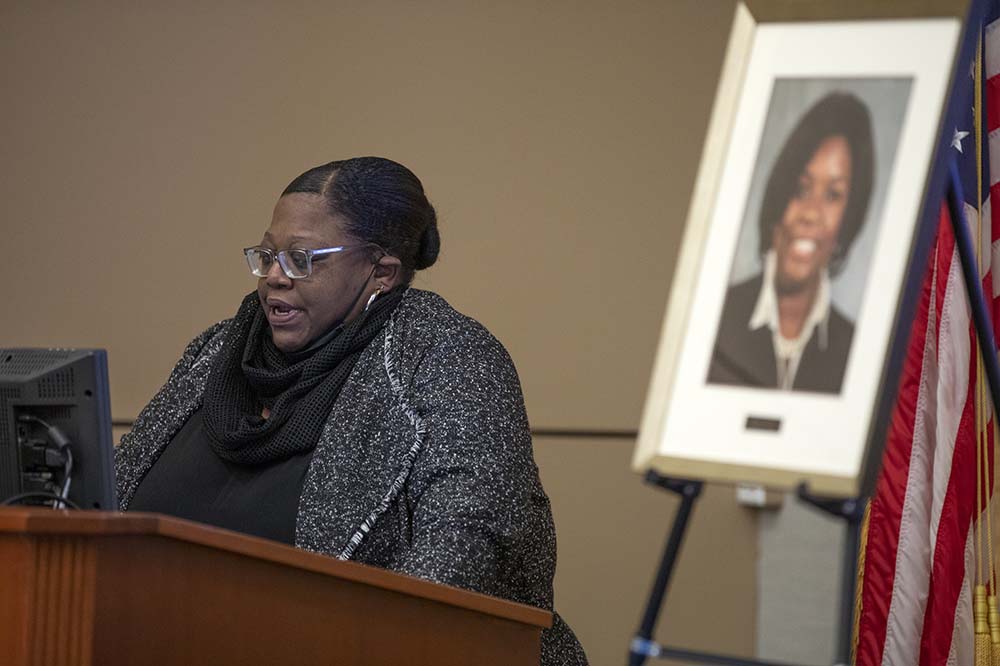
806, 236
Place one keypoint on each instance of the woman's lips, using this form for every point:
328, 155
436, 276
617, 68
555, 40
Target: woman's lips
282, 314
804, 248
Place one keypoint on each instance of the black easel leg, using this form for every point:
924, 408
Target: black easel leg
689, 491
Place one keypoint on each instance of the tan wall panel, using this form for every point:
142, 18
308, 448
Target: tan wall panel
612, 528
143, 146
117, 432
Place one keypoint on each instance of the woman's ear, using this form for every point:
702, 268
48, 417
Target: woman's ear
388, 271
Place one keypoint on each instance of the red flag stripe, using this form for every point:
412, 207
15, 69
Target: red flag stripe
948, 571
992, 92
887, 504
921, 513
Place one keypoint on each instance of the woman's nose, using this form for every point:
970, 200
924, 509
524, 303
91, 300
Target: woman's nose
276, 276
810, 208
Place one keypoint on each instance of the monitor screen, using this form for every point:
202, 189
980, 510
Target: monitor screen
55, 428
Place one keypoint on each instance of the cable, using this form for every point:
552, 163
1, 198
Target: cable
62, 444
39, 494
67, 474
58, 438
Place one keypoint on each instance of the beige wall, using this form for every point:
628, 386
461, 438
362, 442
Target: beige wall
611, 532
145, 146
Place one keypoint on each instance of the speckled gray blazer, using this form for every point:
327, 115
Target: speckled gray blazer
424, 465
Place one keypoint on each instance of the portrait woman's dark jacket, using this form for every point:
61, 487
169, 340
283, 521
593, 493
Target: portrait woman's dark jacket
427, 447
745, 357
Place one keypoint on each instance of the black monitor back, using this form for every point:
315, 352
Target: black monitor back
67, 389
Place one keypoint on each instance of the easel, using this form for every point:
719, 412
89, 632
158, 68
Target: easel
643, 646
944, 178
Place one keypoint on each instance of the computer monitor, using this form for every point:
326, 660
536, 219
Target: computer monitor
55, 417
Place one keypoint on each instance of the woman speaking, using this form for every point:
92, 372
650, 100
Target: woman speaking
343, 412
780, 329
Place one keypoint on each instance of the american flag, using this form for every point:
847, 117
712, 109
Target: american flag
919, 562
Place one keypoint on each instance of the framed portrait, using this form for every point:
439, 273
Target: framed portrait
773, 365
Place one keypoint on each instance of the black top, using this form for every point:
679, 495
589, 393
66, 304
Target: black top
190, 481
746, 358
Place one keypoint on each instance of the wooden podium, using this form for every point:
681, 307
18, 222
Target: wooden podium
107, 589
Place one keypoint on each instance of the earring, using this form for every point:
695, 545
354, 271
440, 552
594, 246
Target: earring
371, 299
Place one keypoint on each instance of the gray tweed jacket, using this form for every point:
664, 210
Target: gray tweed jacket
424, 465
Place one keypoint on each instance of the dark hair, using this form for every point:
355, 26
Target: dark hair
837, 114
381, 202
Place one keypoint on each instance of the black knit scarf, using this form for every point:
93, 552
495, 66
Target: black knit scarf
298, 389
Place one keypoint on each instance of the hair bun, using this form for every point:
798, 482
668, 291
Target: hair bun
430, 245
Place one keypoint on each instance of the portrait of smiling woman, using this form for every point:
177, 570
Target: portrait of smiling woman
780, 328
346, 413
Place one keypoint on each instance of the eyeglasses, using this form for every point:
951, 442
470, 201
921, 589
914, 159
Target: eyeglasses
296, 263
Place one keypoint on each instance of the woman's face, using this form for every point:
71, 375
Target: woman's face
806, 236
299, 311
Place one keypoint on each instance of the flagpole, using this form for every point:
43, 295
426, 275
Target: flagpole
973, 286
